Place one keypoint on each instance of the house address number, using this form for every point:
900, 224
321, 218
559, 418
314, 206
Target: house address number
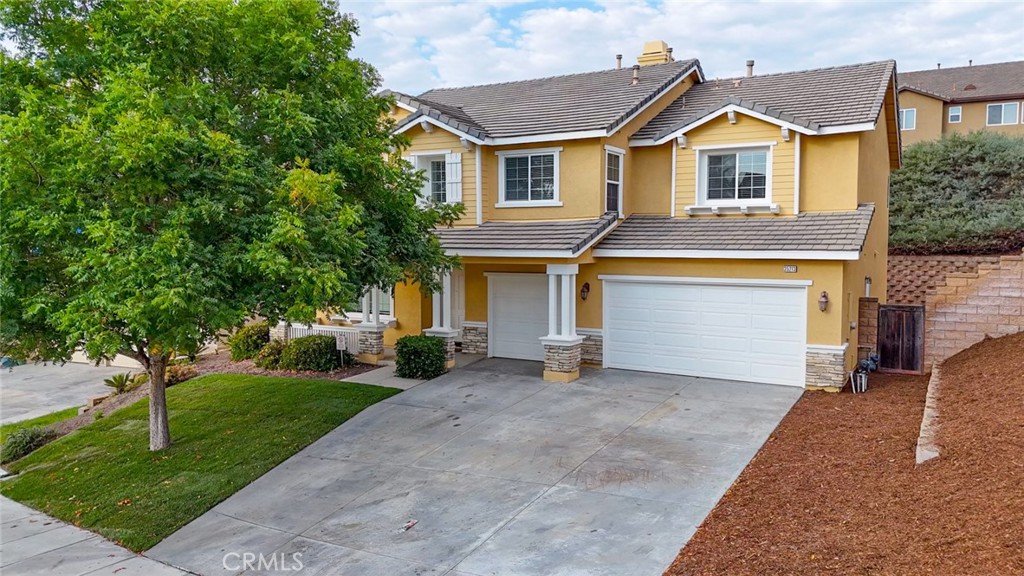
789, 268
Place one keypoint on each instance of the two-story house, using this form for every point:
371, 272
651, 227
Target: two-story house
943, 101
651, 218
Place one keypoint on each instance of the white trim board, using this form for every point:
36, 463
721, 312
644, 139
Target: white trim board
735, 254
828, 348
441, 125
703, 280
473, 324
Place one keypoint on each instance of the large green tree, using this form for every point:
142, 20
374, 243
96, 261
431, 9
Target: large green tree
172, 168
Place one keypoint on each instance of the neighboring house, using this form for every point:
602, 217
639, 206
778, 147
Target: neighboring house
937, 102
650, 218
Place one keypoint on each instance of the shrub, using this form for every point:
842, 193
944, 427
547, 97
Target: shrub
178, 373
419, 357
140, 379
319, 353
22, 442
121, 383
249, 340
347, 358
269, 356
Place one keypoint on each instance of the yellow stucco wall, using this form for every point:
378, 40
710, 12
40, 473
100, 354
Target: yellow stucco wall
974, 116
933, 118
412, 313
442, 140
746, 130
648, 188
929, 117
829, 166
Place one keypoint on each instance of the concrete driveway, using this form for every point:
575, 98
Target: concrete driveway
35, 389
503, 473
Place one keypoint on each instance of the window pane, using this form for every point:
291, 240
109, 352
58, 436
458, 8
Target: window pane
721, 177
753, 169
613, 160
954, 114
517, 178
437, 181
1010, 113
995, 114
542, 177
611, 197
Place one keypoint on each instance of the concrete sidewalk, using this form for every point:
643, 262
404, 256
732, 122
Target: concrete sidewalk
32, 543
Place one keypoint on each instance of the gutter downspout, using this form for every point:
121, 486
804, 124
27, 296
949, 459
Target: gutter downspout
479, 189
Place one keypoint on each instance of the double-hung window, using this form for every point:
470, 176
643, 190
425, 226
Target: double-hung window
735, 176
438, 180
955, 114
908, 118
528, 177
442, 175
1002, 114
613, 180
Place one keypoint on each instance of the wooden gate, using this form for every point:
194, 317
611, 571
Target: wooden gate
901, 338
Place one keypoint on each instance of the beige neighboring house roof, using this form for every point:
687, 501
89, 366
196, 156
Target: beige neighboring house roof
815, 233
1002, 81
586, 104
558, 238
814, 100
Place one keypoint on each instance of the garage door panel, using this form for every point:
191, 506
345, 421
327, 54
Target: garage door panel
518, 315
718, 331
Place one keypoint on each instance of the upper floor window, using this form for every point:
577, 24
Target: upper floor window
442, 170
955, 114
613, 180
1001, 114
528, 177
908, 118
735, 176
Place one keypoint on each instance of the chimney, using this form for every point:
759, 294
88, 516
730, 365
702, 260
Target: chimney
655, 52
618, 61
750, 68
938, 66
970, 62
636, 75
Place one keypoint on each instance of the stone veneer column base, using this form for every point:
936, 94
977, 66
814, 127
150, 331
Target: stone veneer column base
826, 368
592, 352
448, 337
474, 338
562, 360
279, 331
371, 343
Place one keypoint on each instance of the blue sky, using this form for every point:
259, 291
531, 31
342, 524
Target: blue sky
417, 45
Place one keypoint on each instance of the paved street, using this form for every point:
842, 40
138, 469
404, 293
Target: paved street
33, 390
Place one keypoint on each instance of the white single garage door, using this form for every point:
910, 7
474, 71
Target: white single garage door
734, 332
518, 315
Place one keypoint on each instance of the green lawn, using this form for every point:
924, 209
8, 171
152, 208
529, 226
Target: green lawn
227, 429
44, 420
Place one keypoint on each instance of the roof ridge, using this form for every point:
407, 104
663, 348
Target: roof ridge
970, 66
506, 83
792, 72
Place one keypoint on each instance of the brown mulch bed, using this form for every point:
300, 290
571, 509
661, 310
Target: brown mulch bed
835, 490
220, 363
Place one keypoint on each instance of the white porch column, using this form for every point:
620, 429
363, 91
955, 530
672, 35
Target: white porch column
442, 319
552, 305
562, 347
375, 304
446, 302
435, 317
371, 331
566, 329
366, 306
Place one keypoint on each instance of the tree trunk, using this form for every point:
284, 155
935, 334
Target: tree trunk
159, 431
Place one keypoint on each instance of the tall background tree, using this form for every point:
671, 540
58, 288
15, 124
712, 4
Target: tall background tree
171, 168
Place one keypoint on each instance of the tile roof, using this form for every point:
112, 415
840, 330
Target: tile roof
824, 231
589, 101
989, 81
824, 97
561, 235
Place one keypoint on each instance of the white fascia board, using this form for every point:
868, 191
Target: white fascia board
640, 142
703, 280
733, 108
429, 153
731, 254
862, 127
405, 106
657, 97
471, 253
553, 137
442, 126
524, 151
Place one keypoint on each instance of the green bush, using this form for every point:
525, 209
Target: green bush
249, 340
419, 357
178, 373
121, 383
318, 353
20, 443
269, 356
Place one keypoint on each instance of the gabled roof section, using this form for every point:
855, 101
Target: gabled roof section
557, 238
1001, 81
590, 104
922, 91
825, 100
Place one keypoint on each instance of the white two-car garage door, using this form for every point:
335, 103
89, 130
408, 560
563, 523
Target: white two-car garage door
733, 331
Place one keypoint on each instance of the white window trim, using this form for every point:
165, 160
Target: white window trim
1016, 117
701, 154
357, 315
902, 119
426, 156
959, 114
622, 173
502, 154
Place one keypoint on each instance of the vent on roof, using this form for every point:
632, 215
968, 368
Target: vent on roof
636, 75
750, 68
618, 61
970, 87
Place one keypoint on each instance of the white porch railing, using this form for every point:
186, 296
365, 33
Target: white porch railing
346, 336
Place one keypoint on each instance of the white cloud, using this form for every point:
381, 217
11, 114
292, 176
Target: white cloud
419, 45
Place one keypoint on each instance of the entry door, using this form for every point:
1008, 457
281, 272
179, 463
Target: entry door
517, 315
732, 332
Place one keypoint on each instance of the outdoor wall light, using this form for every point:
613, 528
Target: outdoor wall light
867, 286
585, 291
681, 140
464, 142
785, 134
823, 301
